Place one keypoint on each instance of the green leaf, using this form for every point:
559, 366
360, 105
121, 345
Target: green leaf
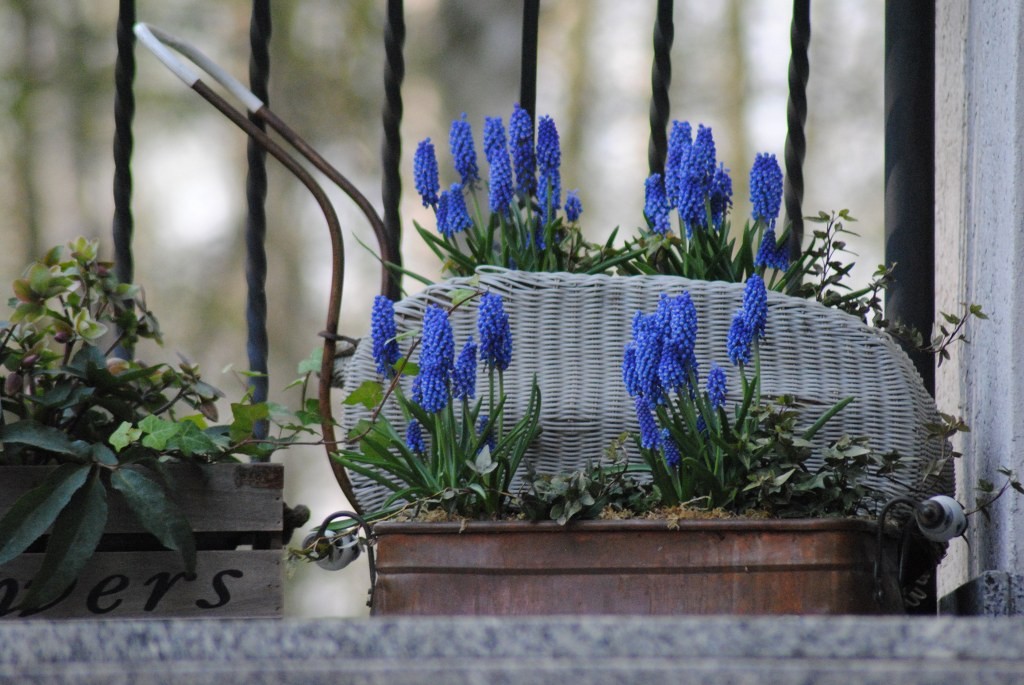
369, 394
158, 432
41, 437
36, 510
76, 533
460, 295
312, 363
101, 454
87, 327
156, 511
124, 436
191, 440
245, 417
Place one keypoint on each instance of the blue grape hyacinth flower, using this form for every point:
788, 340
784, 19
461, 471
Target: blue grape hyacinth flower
464, 373
755, 306
431, 388
382, 334
672, 455
696, 173
414, 437
677, 327
766, 188
573, 206
520, 133
496, 151
425, 173
716, 387
452, 214
721, 196
656, 206
549, 161
738, 344
650, 437
770, 254
495, 332
648, 337
460, 142
680, 140
749, 323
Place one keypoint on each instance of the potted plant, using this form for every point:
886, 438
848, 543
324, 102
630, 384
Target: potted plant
786, 438
108, 459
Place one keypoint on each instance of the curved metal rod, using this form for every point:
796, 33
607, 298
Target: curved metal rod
330, 334
158, 41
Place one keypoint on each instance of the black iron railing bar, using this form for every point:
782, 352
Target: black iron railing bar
796, 119
257, 342
391, 147
661, 79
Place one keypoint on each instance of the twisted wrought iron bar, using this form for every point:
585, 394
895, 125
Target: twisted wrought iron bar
124, 112
391, 150
257, 345
661, 78
528, 73
796, 118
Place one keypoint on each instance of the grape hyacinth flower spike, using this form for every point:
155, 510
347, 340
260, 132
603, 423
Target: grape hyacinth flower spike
382, 334
425, 173
496, 151
452, 214
432, 385
573, 206
766, 188
495, 332
656, 206
464, 373
520, 133
460, 142
414, 437
549, 160
748, 325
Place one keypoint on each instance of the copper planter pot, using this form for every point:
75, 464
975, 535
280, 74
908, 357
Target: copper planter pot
809, 566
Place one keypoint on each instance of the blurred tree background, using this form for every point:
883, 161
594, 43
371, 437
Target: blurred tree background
730, 63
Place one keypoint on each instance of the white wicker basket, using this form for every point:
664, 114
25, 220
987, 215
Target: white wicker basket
570, 331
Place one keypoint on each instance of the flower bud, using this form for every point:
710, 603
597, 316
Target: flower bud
29, 360
62, 337
13, 384
116, 365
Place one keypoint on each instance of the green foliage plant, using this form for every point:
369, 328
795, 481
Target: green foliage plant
73, 399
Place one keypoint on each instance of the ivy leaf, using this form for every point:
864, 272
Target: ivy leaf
246, 416
369, 394
76, 534
460, 295
124, 436
158, 432
157, 512
189, 440
312, 363
37, 509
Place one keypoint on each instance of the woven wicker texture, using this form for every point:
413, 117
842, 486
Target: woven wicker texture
570, 330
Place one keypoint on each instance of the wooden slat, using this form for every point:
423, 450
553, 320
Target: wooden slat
152, 585
215, 498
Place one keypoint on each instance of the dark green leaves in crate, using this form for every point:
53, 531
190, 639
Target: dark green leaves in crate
156, 511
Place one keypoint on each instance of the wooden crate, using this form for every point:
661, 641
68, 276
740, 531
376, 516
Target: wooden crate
236, 513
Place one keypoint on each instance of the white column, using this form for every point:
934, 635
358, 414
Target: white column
979, 196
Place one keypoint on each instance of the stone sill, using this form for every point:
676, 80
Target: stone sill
534, 651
